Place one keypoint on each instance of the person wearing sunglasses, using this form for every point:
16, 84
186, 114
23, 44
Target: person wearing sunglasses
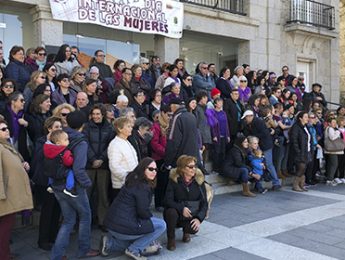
202, 81
15, 191
186, 87
6, 89
14, 115
41, 55
133, 202
78, 77
99, 61
185, 200
50, 70
64, 93
37, 78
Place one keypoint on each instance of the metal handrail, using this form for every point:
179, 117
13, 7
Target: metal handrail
312, 13
231, 6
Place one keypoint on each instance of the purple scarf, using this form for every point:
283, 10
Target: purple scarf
15, 124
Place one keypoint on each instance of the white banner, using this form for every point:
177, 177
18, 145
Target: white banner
163, 17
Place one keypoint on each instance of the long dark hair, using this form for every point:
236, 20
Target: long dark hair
61, 55
137, 176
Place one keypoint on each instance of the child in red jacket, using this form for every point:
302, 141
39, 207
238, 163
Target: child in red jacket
57, 146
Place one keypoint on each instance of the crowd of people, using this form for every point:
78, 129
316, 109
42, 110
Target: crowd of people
95, 144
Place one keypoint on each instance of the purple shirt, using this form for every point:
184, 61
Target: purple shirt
244, 94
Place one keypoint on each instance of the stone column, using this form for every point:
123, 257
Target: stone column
342, 49
168, 49
47, 32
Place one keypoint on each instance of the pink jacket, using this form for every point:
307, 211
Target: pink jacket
158, 143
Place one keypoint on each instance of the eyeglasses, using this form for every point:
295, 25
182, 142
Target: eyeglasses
21, 100
189, 79
8, 86
204, 68
243, 81
312, 117
151, 169
101, 55
191, 166
65, 80
128, 73
82, 74
42, 54
146, 63
43, 77
4, 129
53, 70
64, 114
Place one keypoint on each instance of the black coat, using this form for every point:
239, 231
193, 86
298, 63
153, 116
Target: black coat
35, 127
231, 111
36, 166
140, 110
298, 151
259, 129
141, 148
182, 137
177, 194
224, 88
234, 160
99, 136
130, 213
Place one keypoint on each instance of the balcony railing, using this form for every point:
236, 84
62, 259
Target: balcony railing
312, 13
231, 6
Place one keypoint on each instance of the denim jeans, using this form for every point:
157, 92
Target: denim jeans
278, 156
70, 207
135, 243
270, 167
70, 180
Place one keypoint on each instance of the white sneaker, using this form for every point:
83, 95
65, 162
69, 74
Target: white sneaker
337, 180
343, 180
331, 183
50, 189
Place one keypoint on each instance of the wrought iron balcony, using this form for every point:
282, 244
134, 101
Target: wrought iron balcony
231, 6
312, 13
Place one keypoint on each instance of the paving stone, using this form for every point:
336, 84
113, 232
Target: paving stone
230, 253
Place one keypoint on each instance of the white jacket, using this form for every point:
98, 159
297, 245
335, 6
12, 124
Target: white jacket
122, 160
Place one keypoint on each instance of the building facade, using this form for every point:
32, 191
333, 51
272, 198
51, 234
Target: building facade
266, 34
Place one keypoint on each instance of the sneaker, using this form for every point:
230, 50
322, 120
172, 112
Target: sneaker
343, 180
136, 256
71, 193
331, 183
50, 189
338, 181
263, 191
103, 246
152, 249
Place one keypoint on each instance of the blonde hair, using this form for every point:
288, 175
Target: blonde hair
183, 161
120, 122
32, 83
58, 109
77, 70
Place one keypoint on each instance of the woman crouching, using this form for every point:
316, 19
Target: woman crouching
185, 200
129, 220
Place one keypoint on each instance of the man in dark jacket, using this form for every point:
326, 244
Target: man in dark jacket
182, 137
71, 207
99, 133
256, 127
234, 110
104, 69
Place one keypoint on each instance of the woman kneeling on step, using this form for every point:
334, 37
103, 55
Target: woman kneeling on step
185, 200
129, 220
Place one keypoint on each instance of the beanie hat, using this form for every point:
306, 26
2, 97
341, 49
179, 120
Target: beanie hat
215, 92
76, 119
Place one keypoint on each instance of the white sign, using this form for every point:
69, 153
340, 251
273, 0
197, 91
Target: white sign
163, 17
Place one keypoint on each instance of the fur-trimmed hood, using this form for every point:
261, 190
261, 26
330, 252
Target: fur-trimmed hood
199, 176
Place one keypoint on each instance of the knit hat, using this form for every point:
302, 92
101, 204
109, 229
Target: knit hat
176, 101
122, 98
215, 92
76, 119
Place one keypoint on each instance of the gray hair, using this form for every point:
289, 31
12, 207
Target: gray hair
252, 139
125, 111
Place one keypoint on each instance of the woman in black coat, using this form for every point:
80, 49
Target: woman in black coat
50, 208
185, 200
300, 150
223, 83
236, 167
129, 220
99, 133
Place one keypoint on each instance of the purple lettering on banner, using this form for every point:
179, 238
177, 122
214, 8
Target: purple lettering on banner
154, 26
82, 13
127, 21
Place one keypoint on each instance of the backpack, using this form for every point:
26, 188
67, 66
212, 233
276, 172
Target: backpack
54, 168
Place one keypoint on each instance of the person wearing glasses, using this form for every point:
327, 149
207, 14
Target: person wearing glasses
64, 93
202, 81
41, 55
185, 200
14, 115
285, 76
15, 191
131, 225
276, 95
61, 111
235, 80
244, 90
37, 78
16, 69
98, 61
124, 84
7, 87
138, 82
78, 77
50, 70
30, 60
64, 61
186, 87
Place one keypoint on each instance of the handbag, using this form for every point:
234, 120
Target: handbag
336, 145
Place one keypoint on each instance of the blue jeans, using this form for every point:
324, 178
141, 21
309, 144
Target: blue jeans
70, 207
270, 167
135, 243
244, 175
